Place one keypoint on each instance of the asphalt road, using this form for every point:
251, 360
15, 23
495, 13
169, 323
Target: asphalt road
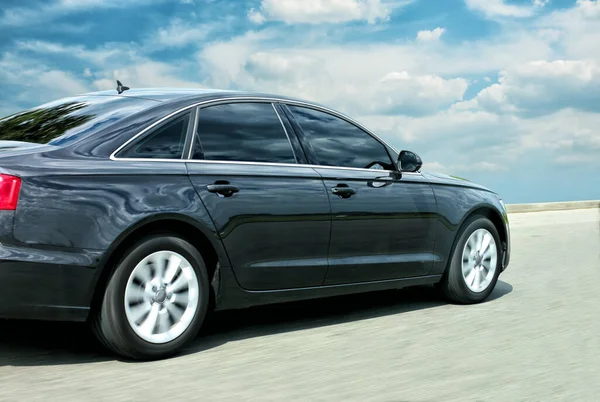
536, 339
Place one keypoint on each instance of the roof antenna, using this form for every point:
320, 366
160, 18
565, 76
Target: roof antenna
121, 88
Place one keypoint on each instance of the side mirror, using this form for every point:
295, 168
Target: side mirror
409, 162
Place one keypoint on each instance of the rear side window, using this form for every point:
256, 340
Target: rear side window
337, 142
244, 132
166, 142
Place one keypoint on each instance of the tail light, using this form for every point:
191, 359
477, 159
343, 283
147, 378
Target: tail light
9, 192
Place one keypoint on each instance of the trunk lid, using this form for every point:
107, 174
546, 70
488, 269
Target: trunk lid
17, 148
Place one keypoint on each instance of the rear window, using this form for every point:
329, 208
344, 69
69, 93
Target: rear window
66, 120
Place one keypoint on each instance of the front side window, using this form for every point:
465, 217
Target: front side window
336, 142
166, 142
244, 132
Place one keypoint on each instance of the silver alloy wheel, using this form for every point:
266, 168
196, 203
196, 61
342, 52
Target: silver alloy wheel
479, 260
161, 297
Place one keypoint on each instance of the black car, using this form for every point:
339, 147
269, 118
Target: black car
141, 210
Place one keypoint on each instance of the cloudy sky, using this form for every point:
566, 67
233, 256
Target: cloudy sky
502, 92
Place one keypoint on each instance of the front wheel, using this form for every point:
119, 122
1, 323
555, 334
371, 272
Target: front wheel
474, 264
155, 301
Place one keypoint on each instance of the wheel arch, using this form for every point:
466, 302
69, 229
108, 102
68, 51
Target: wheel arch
490, 212
203, 239
485, 210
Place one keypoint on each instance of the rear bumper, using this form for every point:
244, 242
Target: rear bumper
46, 284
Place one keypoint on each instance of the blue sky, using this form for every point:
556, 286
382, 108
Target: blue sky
502, 92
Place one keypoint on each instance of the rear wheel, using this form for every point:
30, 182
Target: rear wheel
155, 301
474, 265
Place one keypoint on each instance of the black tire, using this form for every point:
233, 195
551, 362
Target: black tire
109, 321
452, 285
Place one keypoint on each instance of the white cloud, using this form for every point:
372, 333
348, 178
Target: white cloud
102, 55
541, 87
591, 8
320, 11
431, 35
576, 28
566, 132
450, 130
256, 16
144, 73
61, 82
550, 35
106, 64
36, 82
540, 3
465, 141
499, 8
321, 78
401, 92
348, 76
224, 60
456, 141
177, 34
280, 66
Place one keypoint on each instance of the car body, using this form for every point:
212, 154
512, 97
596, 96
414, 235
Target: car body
248, 180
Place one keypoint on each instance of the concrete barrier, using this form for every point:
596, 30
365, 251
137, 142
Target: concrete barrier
551, 206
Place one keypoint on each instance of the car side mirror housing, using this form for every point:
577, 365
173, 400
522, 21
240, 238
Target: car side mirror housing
409, 162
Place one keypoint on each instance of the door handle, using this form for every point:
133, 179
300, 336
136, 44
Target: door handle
343, 191
223, 188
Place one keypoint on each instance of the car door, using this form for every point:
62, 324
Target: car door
383, 222
272, 213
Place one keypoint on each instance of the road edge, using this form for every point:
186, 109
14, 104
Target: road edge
552, 206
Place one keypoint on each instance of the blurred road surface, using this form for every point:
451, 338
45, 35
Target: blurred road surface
537, 339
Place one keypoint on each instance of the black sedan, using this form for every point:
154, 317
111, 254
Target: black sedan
141, 210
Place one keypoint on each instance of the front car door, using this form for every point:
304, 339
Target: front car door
272, 213
383, 222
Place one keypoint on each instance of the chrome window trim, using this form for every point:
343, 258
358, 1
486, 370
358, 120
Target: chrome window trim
248, 99
302, 165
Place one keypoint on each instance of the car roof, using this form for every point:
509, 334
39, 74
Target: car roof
172, 94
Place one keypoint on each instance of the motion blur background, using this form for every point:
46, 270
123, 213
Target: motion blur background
502, 92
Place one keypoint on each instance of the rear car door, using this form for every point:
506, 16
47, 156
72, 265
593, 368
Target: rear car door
272, 213
383, 222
